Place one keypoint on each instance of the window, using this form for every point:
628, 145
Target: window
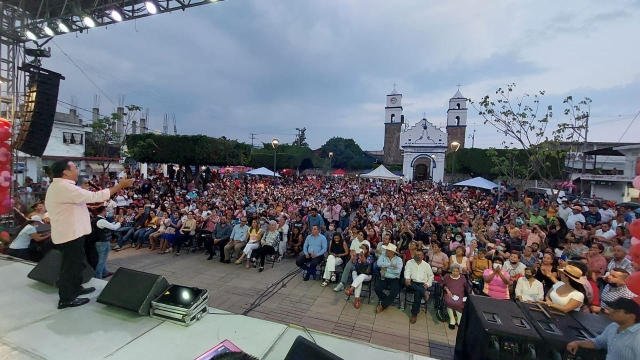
458, 106
393, 117
457, 120
73, 138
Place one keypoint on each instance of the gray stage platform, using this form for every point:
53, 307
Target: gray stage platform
31, 327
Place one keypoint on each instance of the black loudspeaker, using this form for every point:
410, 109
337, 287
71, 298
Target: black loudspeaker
48, 269
133, 290
557, 331
303, 349
39, 111
595, 324
496, 329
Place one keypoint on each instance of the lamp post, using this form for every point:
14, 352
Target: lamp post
274, 143
454, 147
330, 160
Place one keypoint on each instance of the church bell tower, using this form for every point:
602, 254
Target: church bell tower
393, 122
457, 120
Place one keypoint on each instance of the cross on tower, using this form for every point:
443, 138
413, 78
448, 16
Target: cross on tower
458, 86
394, 86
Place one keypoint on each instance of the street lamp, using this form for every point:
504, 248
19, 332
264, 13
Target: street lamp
330, 159
274, 143
454, 147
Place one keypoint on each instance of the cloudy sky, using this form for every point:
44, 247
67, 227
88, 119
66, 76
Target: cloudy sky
271, 66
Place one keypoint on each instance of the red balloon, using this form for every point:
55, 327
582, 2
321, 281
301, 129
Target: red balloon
5, 153
633, 283
634, 252
5, 131
3, 209
5, 121
634, 228
5, 177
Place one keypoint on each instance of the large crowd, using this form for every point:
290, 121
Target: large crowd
570, 256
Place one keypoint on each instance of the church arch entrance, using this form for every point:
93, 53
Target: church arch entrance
422, 169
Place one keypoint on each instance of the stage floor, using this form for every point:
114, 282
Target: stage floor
31, 327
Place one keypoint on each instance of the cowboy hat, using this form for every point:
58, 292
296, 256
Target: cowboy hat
390, 247
574, 273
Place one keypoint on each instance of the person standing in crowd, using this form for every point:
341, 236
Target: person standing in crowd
616, 287
70, 223
390, 267
621, 338
103, 230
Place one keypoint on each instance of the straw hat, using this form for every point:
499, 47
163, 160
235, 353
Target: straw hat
574, 273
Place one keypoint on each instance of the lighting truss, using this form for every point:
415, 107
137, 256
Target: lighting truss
39, 14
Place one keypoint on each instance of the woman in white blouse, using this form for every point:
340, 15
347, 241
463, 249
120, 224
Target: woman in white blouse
568, 294
528, 289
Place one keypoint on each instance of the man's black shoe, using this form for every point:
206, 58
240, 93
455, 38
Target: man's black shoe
210, 257
75, 303
227, 261
86, 291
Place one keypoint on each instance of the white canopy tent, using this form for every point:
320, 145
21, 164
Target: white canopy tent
262, 171
478, 182
381, 173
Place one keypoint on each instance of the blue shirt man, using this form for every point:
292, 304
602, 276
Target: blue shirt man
390, 266
315, 245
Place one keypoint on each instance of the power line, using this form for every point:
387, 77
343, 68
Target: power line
85, 74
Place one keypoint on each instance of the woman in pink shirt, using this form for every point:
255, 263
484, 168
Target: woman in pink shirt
496, 280
596, 262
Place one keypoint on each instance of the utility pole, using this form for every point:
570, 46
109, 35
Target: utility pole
584, 149
252, 137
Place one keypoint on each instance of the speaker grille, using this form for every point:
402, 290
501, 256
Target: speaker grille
40, 110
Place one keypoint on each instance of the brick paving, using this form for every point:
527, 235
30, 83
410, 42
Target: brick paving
234, 288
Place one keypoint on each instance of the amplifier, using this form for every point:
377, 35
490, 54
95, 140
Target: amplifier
557, 330
180, 305
496, 329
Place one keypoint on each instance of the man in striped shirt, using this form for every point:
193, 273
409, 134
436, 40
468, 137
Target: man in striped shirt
616, 288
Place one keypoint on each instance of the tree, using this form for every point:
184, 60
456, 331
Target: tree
510, 165
347, 154
526, 127
106, 140
288, 156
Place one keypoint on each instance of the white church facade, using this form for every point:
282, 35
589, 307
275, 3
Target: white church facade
421, 147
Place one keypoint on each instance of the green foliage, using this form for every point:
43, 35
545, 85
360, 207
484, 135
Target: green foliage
500, 163
347, 154
187, 150
288, 156
524, 123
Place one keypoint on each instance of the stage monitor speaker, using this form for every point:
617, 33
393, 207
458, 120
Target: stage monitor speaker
594, 323
133, 290
304, 349
48, 269
39, 112
495, 329
557, 331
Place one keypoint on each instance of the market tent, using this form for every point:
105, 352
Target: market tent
382, 173
262, 171
338, 172
478, 182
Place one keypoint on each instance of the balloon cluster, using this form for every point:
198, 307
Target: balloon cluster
633, 281
6, 203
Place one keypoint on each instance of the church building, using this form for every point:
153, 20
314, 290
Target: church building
421, 147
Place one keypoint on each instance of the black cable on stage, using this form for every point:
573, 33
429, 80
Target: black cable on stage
257, 302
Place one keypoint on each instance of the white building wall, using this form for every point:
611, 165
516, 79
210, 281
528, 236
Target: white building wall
437, 173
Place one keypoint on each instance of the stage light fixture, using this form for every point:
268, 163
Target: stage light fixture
31, 36
63, 27
115, 15
151, 7
88, 21
48, 31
